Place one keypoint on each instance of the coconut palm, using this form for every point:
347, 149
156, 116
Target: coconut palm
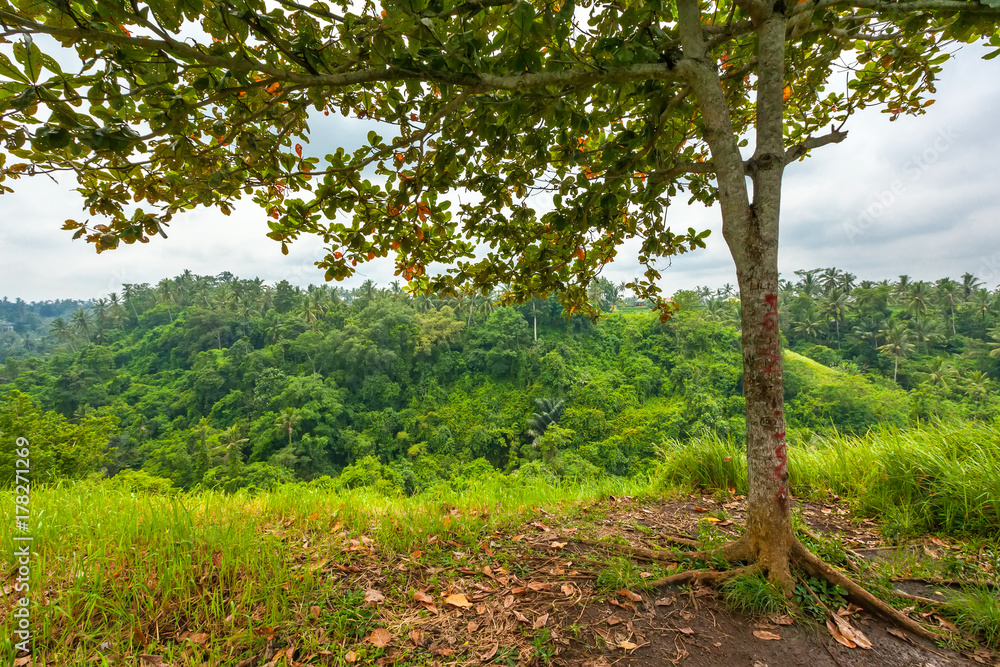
970, 284
62, 331
897, 345
82, 322
835, 305
918, 299
809, 326
948, 294
287, 421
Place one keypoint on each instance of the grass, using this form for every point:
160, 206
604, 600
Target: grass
136, 571
754, 595
123, 568
977, 612
942, 478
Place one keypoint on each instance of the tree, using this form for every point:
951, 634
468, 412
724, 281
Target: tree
508, 98
897, 345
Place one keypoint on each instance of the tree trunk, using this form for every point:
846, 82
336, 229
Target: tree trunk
751, 231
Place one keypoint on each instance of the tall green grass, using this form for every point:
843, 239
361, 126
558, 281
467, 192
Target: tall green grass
937, 478
119, 568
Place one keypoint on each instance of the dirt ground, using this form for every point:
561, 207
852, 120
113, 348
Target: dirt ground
693, 628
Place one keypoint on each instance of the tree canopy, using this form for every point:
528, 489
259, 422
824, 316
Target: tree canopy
549, 131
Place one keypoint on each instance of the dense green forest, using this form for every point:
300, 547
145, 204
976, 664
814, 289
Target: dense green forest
219, 382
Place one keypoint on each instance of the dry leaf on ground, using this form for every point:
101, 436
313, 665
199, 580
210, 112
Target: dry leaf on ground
765, 635
380, 637
457, 600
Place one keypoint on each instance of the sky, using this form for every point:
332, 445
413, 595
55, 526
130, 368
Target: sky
918, 196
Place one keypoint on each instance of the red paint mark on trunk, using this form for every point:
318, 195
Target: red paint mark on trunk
771, 316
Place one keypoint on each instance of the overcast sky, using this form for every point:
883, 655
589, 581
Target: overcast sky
919, 196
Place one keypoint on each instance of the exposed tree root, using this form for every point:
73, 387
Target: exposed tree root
857, 593
683, 541
916, 598
776, 561
930, 581
641, 553
703, 577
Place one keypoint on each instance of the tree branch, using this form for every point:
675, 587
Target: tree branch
476, 82
800, 149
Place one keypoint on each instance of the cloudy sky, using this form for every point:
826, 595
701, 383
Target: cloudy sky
919, 196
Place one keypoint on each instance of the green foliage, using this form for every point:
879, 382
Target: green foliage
977, 612
831, 596
754, 595
140, 481
619, 573
59, 449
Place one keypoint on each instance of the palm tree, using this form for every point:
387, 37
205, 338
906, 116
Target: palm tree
926, 332
918, 300
981, 303
835, 305
846, 282
230, 439
948, 293
970, 284
547, 412
81, 322
129, 293
62, 331
897, 345
903, 286
165, 294
941, 372
287, 421
829, 279
368, 291
995, 335
809, 326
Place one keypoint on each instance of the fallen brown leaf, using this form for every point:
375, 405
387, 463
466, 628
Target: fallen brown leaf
149, 661
457, 600
567, 589
851, 633
521, 617
540, 622
420, 596
472, 627
613, 620
689, 631
634, 597
373, 597
765, 635
415, 636
838, 635
380, 637
351, 657
489, 654
627, 645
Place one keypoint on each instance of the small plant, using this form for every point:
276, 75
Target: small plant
977, 611
541, 646
754, 595
808, 590
620, 573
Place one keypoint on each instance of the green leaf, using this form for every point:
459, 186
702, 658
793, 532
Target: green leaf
8, 69
28, 55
